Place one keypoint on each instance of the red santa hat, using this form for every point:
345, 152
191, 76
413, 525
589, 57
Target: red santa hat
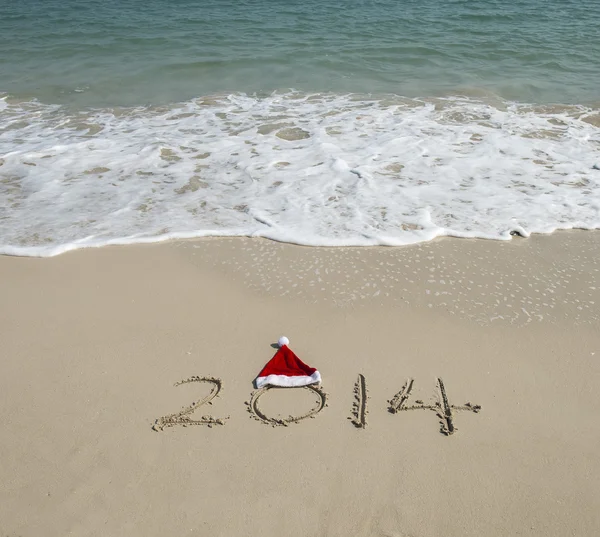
287, 370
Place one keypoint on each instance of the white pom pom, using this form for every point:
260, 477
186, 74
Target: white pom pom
283, 341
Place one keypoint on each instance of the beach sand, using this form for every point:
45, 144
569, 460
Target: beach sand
93, 343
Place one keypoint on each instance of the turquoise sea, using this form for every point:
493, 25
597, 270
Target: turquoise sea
315, 122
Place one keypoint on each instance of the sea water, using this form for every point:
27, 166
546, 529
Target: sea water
312, 122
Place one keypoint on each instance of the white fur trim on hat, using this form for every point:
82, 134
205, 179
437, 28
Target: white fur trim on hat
288, 382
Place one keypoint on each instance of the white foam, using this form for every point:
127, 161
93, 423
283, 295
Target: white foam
308, 169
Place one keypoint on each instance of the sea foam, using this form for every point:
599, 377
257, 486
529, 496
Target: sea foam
311, 169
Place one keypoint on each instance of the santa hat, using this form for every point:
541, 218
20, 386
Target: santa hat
287, 370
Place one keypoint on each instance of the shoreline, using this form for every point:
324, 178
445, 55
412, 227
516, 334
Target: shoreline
95, 340
515, 234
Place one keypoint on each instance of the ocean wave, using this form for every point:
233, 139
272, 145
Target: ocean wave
312, 169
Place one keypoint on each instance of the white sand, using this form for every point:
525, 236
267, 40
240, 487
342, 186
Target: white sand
93, 342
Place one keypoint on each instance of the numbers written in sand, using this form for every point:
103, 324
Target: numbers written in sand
359, 407
399, 403
443, 409
183, 417
258, 414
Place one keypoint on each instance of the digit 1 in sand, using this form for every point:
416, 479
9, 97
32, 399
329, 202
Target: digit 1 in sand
359, 407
